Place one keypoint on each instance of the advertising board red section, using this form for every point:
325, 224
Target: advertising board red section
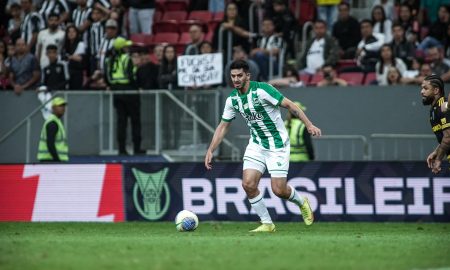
61, 192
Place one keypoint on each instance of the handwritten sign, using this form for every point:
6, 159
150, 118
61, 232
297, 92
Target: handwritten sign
199, 70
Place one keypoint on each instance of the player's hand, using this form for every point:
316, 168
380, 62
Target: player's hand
436, 166
431, 158
313, 130
208, 160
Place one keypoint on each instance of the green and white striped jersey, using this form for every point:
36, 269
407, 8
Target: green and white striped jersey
260, 108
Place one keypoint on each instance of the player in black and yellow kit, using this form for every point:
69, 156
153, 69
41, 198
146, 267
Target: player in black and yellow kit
433, 94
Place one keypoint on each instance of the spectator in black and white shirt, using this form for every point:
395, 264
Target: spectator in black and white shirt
106, 44
81, 16
14, 22
269, 48
31, 25
59, 7
103, 5
96, 33
55, 76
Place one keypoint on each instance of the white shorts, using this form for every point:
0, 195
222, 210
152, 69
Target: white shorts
277, 162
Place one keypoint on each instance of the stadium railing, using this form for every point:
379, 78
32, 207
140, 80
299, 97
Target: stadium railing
163, 101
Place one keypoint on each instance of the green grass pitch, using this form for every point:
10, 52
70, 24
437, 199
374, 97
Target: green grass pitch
216, 245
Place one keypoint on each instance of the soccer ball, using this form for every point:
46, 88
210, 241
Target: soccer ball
186, 221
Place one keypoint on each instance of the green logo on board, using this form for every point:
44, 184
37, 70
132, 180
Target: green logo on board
148, 193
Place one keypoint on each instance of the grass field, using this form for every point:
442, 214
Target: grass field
224, 246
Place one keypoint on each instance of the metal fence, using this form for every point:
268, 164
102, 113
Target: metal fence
174, 123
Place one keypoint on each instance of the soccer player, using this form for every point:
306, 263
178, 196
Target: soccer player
433, 94
269, 146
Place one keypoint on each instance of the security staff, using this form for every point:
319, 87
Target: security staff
120, 76
301, 144
53, 143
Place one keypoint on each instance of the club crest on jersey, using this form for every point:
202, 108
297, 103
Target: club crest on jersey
256, 101
245, 106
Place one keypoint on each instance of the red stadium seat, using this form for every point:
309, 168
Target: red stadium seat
218, 16
209, 36
158, 16
212, 25
160, 5
343, 63
370, 77
173, 5
165, 26
184, 26
201, 15
306, 8
141, 39
171, 38
316, 78
353, 78
304, 78
179, 48
184, 38
174, 15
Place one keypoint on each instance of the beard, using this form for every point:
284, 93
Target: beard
427, 101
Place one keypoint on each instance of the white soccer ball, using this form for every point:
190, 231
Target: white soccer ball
186, 221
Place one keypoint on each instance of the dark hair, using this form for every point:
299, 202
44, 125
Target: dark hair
366, 21
238, 64
164, 62
320, 21
53, 14
393, 62
205, 42
383, 17
5, 53
437, 82
51, 47
447, 7
290, 69
70, 47
397, 24
267, 18
15, 6
345, 4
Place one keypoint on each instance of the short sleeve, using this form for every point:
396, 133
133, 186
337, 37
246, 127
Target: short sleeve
81, 49
445, 120
271, 94
228, 112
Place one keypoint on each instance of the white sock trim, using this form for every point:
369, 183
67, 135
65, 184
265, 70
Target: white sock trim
256, 199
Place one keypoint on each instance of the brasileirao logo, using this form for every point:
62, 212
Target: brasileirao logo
149, 191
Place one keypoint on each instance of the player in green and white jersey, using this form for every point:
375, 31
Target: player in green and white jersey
259, 103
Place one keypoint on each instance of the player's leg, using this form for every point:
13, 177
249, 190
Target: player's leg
254, 168
278, 166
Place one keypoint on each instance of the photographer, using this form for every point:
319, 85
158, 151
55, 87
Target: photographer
330, 78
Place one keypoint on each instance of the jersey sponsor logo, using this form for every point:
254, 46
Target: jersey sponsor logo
148, 193
443, 121
252, 117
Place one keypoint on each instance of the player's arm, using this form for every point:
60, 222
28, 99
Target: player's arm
297, 112
219, 134
444, 147
441, 151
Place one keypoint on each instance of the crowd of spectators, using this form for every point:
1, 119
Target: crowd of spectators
63, 44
